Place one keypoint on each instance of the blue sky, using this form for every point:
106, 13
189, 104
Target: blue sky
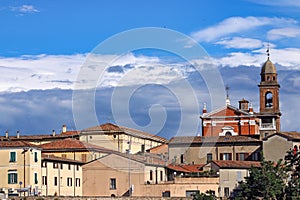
45, 43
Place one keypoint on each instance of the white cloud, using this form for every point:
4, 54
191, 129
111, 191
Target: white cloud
236, 25
25, 9
285, 3
288, 58
279, 33
240, 43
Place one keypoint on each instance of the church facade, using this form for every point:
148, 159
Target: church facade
232, 121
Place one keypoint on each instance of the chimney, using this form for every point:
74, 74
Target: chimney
18, 134
250, 108
204, 108
53, 133
6, 134
243, 104
64, 128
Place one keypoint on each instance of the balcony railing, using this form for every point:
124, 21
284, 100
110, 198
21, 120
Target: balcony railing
267, 126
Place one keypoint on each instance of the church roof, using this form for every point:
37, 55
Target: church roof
268, 68
227, 111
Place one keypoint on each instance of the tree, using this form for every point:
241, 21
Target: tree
265, 182
293, 167
204, 196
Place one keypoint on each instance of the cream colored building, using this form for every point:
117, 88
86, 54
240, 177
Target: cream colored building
115, 174
118, 138
74, 149
230, 174
283, 141
61, 176
201, 150
20, 167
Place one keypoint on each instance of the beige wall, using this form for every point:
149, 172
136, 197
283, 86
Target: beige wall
31, 167
62, 188
82, 156
97, 175
197, 154
118, 142
276, 148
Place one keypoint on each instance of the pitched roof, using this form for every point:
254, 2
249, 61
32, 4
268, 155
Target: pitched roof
223, 111
36, 137
70, 144
8, 144
59, 159
293, 135
70, 133
220, 139
113, 128
233, 164
186, 168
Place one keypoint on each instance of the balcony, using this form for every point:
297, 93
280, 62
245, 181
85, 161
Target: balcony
267, 126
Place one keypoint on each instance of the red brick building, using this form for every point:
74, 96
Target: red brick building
230, 120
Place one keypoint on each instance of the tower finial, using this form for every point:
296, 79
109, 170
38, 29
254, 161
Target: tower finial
227, 95
268, 51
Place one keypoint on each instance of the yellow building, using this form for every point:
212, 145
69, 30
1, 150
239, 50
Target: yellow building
74, 149
61, 176
20, 168
118, 138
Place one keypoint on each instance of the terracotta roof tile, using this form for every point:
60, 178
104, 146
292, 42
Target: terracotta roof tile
220, 139
6, 144
60, 159
109, 127
71, 133
233, 164
186, 168
293, 135
72, 145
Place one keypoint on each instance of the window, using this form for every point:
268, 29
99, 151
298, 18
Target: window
225, 156
12, 177
77, 167
161, 175
64, 155
44, 164
69, 167
241, 156
142, 148
55, 181
226, 192
35, 156
113, 184
239, 176
61, 166
255, 156
151, 175
55, 165
44, 180
181, 158
12, 157
228, 133
36, 181
77, 182
208, 157
191, 193
69, 181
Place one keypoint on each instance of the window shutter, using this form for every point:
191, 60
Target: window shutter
221, 156
230, 156
237, 156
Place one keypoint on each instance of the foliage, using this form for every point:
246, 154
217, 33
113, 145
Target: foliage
265, 182
204, 196
293, 167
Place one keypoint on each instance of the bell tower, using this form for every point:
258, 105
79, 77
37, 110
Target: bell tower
269, 113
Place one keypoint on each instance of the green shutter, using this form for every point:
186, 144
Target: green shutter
8, 178
12, 157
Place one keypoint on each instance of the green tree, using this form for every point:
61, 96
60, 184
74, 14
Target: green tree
204, 196
293, 167
265, 182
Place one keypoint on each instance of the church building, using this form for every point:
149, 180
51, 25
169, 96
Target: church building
232, 121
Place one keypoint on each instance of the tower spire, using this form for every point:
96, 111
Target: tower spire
227, 95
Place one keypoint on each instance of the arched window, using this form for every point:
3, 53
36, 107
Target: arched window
268, 78
269, 100
228, 133
274, 78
